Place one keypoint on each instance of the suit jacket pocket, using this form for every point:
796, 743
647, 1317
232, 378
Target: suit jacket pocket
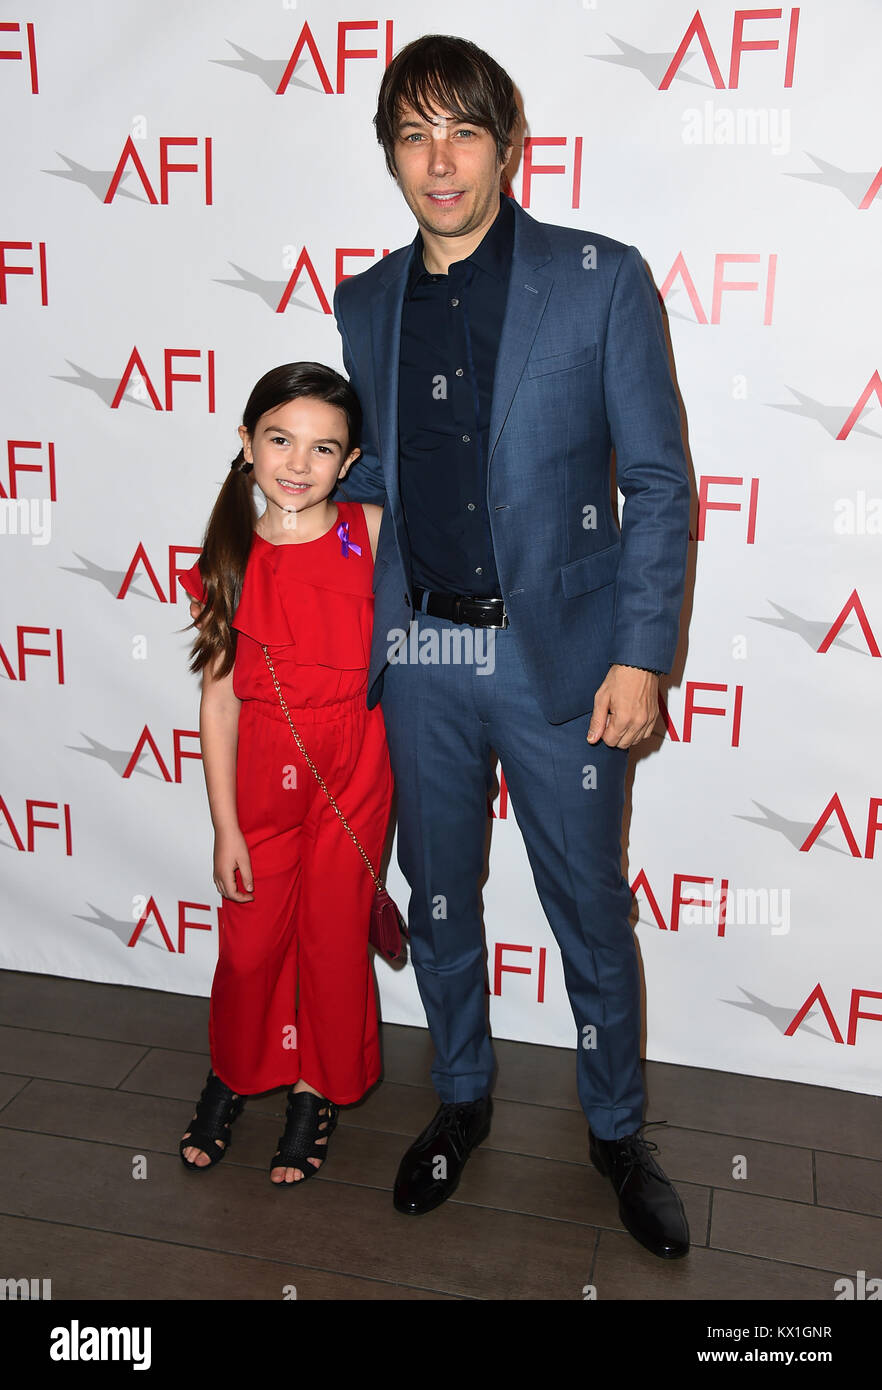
562, 361
590, 571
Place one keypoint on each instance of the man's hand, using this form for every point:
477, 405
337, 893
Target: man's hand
625, 707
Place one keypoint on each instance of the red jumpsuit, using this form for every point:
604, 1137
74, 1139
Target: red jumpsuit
293, 992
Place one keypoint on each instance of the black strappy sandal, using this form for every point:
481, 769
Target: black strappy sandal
216, 1109
304, 1126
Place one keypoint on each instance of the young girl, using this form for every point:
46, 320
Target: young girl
292, 1000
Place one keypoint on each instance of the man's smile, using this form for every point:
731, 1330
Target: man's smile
446, 199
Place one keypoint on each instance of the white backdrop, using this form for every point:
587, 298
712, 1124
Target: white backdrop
746, 170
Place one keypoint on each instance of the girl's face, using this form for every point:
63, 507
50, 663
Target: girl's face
299, 451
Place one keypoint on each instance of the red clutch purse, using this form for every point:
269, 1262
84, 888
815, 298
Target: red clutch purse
387, 926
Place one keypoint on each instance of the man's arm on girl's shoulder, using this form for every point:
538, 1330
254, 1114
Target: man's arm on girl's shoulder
373, 515
364, 481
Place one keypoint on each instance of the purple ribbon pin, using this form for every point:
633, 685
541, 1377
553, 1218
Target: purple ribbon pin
345, 543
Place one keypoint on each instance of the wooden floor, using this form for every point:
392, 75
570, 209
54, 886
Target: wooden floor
97, 1078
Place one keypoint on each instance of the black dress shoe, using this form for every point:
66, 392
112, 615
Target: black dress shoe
649, 1206
431, 1169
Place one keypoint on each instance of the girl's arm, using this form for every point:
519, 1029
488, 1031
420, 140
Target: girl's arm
219, 737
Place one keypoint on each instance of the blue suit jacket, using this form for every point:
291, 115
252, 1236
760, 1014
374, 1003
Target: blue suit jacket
582, 367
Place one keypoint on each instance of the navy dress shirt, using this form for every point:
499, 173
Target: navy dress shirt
450, 327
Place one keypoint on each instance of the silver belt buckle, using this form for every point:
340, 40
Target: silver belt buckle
503, 624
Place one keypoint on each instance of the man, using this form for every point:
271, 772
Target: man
498, 361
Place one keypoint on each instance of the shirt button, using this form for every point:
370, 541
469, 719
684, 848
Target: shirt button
454, 302
466, 439
471, 506
479, 570
459, 371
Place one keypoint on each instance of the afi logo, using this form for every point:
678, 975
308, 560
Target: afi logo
529, 168
144, 386
13, 467
690, 709
835, 808
501, 967
8, 270
130, 155
150, 914
720, 283
706, 504
28, 845
641, 884
13, 53
304, 265
872, 388
852, 605
739, 45
306, 43
141, 557
179, 753
22, 652
818, 996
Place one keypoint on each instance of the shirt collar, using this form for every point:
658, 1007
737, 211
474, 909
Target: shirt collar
492, 254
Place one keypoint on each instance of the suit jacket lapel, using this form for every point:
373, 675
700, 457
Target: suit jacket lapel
528, 291
386, 304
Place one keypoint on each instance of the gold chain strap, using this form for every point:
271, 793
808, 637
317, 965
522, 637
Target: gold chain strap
319, 778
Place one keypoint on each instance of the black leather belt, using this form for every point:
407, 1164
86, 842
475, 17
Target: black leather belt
462, 608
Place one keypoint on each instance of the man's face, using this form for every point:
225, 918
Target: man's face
448, 171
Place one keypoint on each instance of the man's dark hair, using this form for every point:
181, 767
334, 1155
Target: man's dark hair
452, 75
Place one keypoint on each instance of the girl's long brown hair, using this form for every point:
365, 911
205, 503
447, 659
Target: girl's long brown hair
230, 530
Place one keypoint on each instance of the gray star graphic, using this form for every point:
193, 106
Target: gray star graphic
270, 291
652, 66
830, 417
122, 930
270, 71
111, 580
811, 630
778, 1015
116, 758
105, 387
796, 831
96, 180
852, 186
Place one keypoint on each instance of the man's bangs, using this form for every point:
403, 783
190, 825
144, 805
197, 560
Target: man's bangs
424, 90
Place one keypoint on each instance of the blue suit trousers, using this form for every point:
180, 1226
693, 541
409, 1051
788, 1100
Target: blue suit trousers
444, 721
